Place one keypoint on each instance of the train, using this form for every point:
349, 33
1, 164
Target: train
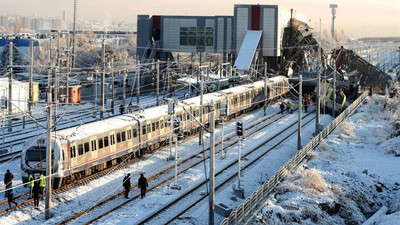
89, 148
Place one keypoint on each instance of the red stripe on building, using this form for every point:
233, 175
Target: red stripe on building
255, 17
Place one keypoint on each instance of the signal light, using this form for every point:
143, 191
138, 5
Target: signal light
239, 128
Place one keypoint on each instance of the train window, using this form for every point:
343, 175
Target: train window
94, 148
148, 128
187, 116
157, 125
123, 136
118, 137
86, 146
129, 132
166, 123
72, 152
153, 126
134, 131
161, 124
80, 149
100, 143
112, 139
105, 142
143, 129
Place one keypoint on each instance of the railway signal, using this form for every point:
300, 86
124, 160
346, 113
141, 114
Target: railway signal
239, 128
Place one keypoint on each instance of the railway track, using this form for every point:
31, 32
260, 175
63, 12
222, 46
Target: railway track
162, 177
14, 155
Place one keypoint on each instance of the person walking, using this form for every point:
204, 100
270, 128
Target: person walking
282, 106
142, 184
42, 183
127, 184
36, 193
287, 106
10, 195
30, 184
291, 107
306, 106
8, 177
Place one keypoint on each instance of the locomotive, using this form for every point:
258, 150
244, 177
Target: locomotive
86, 149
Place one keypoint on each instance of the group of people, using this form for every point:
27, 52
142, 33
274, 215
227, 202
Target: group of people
142, 184
289, 106
36, 188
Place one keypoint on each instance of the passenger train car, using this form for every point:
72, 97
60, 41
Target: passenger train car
88, 148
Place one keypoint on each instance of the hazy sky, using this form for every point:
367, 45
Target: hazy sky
358, 18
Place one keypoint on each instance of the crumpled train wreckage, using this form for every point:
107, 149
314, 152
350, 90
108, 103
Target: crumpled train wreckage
352, 72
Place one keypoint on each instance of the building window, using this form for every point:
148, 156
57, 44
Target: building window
197, 36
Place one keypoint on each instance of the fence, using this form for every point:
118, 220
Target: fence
247, 210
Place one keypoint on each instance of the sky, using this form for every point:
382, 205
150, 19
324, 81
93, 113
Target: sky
357, 18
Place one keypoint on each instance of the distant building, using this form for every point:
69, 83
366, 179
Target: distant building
158, 36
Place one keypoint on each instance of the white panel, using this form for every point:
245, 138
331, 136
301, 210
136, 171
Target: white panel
269, 32
248, 49
229, 36
220, 41
242, 25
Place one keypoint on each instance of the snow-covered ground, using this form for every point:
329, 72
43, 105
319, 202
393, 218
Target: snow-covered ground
375, 126
353, 173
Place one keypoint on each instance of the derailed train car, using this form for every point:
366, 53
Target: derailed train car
86, 149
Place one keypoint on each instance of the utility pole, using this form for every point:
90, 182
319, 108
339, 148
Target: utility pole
55, 93
68, 68
334, 90
124, 85
138, 84
113, 88
11, 49
300, 111
201, 106
158, 81
103, 77
48, 214
265, 89
30, 103
317, 122
212, 166
74, 32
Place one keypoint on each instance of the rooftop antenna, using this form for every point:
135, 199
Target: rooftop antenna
333, 7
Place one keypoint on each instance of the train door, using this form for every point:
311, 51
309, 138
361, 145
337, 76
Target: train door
162, 127
73, 154
143, 134
155, 127
112, 140
94, 148
129, 139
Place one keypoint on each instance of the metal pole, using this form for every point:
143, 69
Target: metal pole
239, 160
318, 91
158, 81
212, 166
55, 93
223, 153
48, 214
300, 111
124, 85
11, 49
113, 86
265, 89
334, 90
30, 103
201, 110
138, 84
68, 69
103, 77
74, 32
